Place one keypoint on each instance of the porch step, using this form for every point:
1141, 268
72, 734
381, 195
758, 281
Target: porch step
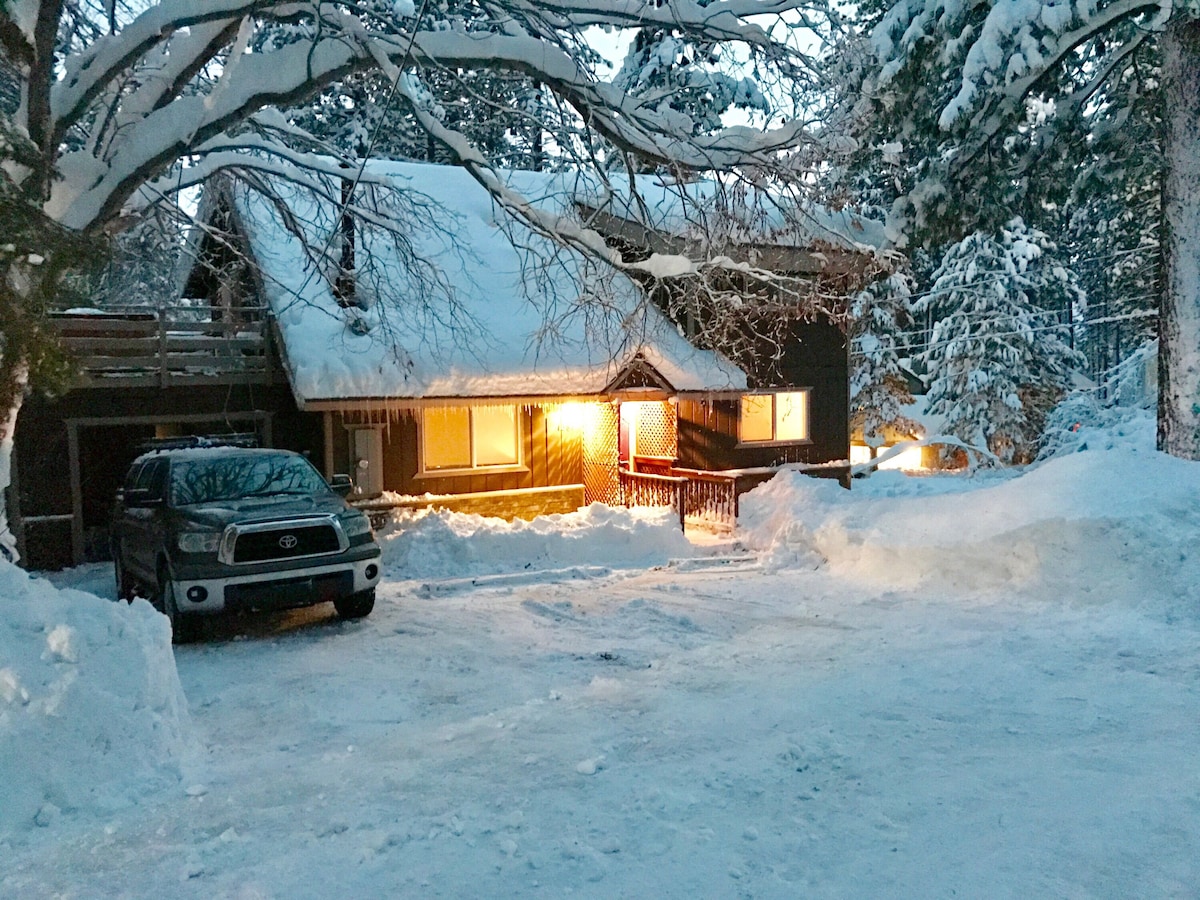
510, 579
704, 563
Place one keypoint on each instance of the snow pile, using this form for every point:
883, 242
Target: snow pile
91, 710
1095, 526
429, 544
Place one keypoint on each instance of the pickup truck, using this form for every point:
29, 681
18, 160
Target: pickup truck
200, 530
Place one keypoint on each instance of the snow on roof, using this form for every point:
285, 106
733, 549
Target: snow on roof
745, 213
488, 309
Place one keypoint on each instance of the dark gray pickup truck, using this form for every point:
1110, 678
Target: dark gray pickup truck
201, 530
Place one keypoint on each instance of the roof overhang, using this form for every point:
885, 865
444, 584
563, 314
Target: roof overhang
765, 255
401, 405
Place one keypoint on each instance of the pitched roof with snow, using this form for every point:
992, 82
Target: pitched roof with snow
740, 212
469, 303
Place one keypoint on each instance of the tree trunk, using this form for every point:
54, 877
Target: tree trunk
8, 541
1179, 320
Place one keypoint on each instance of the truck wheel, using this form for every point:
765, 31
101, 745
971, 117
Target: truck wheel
184, 628
356, 605
126, 589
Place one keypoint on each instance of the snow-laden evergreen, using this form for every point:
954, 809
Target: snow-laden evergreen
879, 391
998, 356
966, 77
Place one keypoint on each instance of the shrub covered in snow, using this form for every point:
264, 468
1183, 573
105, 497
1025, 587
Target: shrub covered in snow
1081, 422
92, 714
433, 544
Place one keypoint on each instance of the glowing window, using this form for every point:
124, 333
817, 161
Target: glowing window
774, 418
494, 435
462, 437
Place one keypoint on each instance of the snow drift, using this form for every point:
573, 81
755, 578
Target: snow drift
1097, 525
92, 713
439, 544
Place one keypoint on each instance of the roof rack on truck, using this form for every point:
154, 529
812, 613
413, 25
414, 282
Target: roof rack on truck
187, 442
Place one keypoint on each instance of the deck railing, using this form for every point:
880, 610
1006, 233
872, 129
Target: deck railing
640, 489
702, 498
711, 499
167, 346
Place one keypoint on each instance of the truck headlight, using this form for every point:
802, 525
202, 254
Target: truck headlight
356, 526
199, 541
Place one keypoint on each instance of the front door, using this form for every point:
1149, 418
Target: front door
366, 448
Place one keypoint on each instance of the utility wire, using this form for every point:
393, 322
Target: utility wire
999, 334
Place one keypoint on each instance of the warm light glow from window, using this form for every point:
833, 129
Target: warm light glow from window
791, 417
774, 417
447, 433
756, 418
460, 437
495, 433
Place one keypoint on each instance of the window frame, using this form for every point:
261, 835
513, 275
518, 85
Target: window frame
775, 441
424, 472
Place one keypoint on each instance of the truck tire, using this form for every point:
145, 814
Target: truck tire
355, 606
184, 628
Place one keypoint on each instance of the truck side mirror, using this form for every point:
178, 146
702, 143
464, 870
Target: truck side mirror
141, 497
341, 485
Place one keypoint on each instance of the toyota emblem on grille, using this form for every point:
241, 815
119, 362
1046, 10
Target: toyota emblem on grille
288, 542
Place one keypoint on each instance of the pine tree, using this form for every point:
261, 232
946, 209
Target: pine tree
998, 356
879, 389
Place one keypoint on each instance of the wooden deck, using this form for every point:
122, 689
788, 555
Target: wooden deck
168, 346
707, 499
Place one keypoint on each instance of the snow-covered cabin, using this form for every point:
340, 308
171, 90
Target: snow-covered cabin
466, 361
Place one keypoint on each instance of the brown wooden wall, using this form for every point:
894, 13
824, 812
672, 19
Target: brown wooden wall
551, 457
708, 429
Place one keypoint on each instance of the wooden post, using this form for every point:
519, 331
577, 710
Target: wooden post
162, 347
76, 493
12, 502
328, 423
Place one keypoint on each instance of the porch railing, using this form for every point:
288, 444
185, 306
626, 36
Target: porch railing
701, 498
168, 346
640, 489
711, 499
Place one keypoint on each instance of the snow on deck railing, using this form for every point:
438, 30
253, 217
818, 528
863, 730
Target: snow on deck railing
167, 345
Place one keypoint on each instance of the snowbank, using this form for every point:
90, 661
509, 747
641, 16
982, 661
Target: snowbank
91, 710
439, 544
1097, 525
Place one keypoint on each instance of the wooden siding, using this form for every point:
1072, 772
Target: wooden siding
550, 457
519, 504
708, 428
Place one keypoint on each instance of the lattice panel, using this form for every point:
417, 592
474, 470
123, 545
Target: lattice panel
657, 430
601, 483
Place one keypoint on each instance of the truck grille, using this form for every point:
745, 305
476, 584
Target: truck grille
289, 593
285, 540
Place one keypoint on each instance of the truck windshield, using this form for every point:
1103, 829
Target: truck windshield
233, 476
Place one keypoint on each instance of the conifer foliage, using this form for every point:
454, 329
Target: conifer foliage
999, 356
879, 390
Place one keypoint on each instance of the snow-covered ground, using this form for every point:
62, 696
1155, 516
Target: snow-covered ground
924, 687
